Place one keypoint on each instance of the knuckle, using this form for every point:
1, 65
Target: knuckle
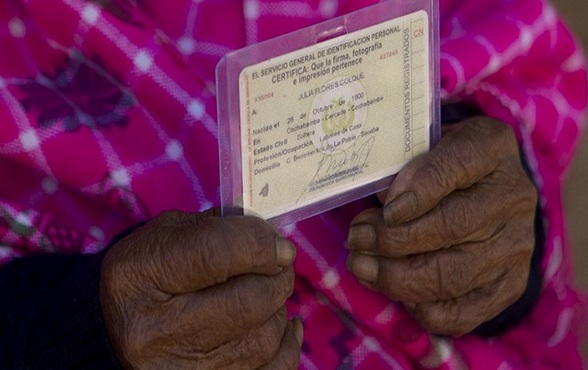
507, 136
519, 237
446, 277
109, 271
516, 282
527, 245
291, 360
445, 318
432, 178
246, 302
529, 196
454, 220
431, 319
287, 355
392, 282
460, 270
502, 294
213, 258
233, 355
133, 342
424, 284
276, 328
484, 141
261, 246
397, 241
275, 290
498, 135
266, 343
244, 241
500, 129
119, 275
520, 185
256, 298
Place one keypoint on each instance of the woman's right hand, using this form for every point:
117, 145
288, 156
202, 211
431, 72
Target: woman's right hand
201, 291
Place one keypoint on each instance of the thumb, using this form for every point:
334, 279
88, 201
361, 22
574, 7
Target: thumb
464, 156
196, 251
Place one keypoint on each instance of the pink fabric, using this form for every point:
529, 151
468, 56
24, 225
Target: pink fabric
108, 117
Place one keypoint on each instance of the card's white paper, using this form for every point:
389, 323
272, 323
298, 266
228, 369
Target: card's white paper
334, 116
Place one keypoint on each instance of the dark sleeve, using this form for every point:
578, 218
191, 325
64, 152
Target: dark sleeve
519, 310
51, 315
515, 313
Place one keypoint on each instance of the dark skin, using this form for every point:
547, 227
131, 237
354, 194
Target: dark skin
455, 236
199, 291
453, 242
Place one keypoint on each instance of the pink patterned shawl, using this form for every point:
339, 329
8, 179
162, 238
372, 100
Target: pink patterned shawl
108, 117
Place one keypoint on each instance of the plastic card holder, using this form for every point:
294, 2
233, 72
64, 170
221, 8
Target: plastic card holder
328, 114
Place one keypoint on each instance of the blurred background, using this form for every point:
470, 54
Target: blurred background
575, 12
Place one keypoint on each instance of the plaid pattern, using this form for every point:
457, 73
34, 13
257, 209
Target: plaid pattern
108, 117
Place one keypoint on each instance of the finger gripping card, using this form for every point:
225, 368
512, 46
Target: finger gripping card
328, 114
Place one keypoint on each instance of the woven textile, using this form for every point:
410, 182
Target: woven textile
108, 117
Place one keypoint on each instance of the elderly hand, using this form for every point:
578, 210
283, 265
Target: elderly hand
455, 237
195, 291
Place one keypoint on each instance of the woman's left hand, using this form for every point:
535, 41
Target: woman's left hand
455, 237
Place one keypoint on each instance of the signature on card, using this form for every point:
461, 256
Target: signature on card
340, 165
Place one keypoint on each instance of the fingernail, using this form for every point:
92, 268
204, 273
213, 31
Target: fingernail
364, 268
286, 252
401, 209
298, 330
361, 236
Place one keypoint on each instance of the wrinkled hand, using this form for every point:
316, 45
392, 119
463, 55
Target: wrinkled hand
455, 237
196, 291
